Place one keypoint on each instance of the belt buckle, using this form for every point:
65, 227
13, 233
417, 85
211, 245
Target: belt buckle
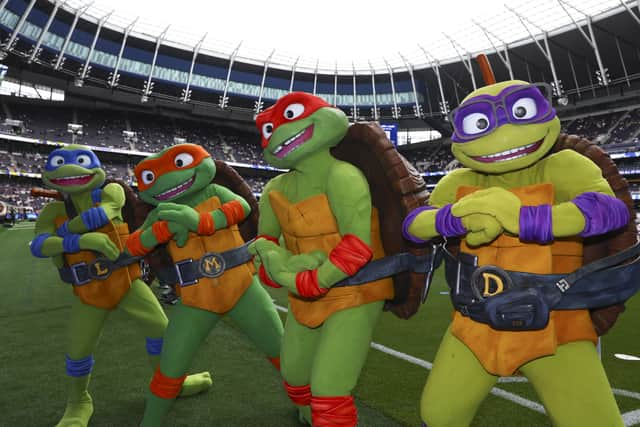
74, 274
101, 268
212, 265
489, 280
178, 267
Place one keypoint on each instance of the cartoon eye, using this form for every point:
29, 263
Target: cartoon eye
293, 111
524, 108
148, 177
475, 123
267, 130
56, 161
183, 159
83, 160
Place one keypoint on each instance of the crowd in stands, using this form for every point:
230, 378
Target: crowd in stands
610, 128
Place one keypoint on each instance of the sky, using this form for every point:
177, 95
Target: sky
342, 31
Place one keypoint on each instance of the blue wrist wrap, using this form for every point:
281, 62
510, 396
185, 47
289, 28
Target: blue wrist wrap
36, 245
94, 218
71, 243
63, 230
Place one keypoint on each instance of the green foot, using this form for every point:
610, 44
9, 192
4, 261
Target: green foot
304, 415
196, 383
77, 414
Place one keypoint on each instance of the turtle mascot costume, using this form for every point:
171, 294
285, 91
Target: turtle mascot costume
84, 234
320, 236
529, 211
209, 263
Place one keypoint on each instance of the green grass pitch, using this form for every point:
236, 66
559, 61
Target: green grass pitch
247, 391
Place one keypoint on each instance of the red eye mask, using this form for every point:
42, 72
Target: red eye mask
167, 162
276, 113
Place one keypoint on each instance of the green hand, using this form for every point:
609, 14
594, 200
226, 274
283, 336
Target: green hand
180, 233
496, 202
308, 261
101, 243
180, 214
481, 229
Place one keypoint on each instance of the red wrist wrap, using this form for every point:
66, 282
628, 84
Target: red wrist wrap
275, 361
160, 230
134, 244
299, 394
262, 274
266, 236
165, 387
233, 211
206, 226
307, 284
350, 254
333, 411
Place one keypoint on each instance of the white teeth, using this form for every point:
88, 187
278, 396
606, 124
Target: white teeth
507, 152
72, 177
277, 150
290, 140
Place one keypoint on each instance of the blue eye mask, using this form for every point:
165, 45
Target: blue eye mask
84, 158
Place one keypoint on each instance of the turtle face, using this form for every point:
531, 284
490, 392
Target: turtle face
73, 169
504, 127
298, 125
174, 174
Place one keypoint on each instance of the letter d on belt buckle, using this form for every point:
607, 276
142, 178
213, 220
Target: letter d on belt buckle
212, 265
489, 280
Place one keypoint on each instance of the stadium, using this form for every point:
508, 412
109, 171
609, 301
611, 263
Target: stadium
78, 72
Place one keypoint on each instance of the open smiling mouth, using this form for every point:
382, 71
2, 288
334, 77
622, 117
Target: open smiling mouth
514, 153
72, 180
294, 142
175, 191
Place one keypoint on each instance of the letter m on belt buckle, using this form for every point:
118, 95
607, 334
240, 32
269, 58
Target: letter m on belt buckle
212, 265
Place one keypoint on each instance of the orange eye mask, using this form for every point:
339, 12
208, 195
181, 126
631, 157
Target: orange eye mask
177, 158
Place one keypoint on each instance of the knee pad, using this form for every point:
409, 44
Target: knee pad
165, 387
79, 367
337, 411
300, 395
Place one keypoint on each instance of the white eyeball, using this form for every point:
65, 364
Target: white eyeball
524, 108
183, 159
475, 123
267, 130
147, 177
56, 161
83, 160
293, 111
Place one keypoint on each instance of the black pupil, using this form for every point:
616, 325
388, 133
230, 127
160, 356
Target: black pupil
482, 124
81, 160
179, 162
149, 176
520, 112
59, 161
289, 114
269, 128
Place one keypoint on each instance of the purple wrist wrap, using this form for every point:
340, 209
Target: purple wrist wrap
447, 224
409, 220
602, 213
535, 224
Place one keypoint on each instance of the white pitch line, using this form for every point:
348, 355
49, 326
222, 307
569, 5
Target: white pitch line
630, 418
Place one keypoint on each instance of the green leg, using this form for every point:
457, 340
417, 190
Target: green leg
574, 388
257, 317
85, 326
456, 386
141, 304
299, 345
186, 332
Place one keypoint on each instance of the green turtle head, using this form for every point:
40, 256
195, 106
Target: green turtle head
504, 127
174, 174
73, 169
298, 125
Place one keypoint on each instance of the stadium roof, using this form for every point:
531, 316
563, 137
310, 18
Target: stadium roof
344, 37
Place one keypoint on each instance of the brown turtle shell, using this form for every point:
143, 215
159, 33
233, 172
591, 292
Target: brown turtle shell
396, 189
611, 243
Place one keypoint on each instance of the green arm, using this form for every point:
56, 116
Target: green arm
350, 201
268, 223
113, 199
584, 176
225, 195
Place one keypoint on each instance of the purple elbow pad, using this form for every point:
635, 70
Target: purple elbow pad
602, 213
535, 224
447, 224
409, 220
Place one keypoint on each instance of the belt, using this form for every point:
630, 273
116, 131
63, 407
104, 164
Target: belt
81, 273
212, 264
